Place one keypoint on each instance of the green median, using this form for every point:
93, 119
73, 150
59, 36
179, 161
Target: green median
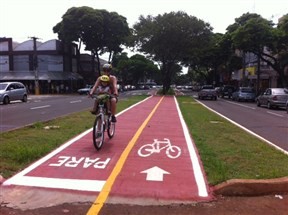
226, 151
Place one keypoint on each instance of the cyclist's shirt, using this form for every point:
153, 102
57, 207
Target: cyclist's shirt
103, 89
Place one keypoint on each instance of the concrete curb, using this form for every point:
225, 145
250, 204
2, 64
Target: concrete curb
252, 187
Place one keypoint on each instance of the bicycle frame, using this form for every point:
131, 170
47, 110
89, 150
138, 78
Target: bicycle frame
102, 122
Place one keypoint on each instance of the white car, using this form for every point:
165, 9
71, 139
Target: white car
85, 90
12, 91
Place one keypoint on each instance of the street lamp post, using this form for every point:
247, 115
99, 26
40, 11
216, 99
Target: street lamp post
35, 66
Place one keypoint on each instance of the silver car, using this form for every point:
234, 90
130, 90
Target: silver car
207, 91
273, 97
12, 91
244, 94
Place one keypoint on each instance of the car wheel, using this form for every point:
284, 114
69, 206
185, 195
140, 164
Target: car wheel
287, 108
269, 105
258, 103
24, 99
6, 100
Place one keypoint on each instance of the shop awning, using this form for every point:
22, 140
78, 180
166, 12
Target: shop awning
48, 75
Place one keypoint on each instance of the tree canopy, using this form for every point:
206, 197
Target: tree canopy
99, 30
252, 33
171, 39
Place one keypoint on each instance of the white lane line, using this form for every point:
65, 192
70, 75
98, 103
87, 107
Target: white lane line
245, 106
76, 101
275, 114
198, 174
71, 184
39, 107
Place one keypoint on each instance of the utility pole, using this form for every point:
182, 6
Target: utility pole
35, 65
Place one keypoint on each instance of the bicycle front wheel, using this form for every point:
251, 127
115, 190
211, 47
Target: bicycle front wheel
111, 128
98, 132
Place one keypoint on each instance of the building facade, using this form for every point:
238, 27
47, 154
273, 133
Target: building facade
46, 67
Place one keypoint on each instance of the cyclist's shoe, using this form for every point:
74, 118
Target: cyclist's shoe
113, 118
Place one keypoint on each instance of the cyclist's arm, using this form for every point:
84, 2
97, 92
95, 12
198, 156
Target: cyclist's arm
114, 83
97, 82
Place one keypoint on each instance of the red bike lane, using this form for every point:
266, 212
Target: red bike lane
170, 172
161, 165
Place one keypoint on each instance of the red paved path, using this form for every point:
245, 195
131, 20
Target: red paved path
78, 166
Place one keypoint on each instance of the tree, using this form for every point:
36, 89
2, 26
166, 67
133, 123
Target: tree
171, 39
135, 69
252, 33
99, 30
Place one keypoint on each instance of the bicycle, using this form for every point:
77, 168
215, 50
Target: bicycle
102, 121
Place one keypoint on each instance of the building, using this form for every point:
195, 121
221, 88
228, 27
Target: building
44, 67
248, 75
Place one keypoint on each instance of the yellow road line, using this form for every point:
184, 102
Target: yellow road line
103, 195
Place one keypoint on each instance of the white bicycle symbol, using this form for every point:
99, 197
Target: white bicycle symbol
148, 149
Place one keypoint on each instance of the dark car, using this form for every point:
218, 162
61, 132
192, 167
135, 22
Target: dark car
207, 91
85, 90
244, 94
226, 91
12, 91
273, 97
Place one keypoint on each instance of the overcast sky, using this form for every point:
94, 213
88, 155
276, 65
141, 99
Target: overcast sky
21, 19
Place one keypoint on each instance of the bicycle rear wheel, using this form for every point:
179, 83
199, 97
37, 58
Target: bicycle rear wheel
98, 132
111, 128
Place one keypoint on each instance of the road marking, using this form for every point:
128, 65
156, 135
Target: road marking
253, 108
198, 174
39, 107
171, 151
103, 195
76, 101
275, 114
155, 173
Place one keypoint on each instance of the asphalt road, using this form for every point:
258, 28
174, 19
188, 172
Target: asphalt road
41, 108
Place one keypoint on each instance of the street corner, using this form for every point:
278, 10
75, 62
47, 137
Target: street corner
252, 187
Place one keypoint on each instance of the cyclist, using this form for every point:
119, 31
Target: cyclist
113, 90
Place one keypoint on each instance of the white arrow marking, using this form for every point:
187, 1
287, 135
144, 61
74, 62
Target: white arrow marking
155, 174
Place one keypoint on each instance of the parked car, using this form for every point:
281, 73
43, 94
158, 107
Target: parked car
244, 94
287, 106
12, 91
207, 91
226, 91
273, 97
85, 90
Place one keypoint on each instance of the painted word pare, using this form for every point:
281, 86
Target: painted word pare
85, 162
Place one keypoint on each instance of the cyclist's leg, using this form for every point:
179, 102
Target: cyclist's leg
113, 102
108, 106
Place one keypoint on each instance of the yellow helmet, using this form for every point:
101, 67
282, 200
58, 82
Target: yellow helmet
104, 78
